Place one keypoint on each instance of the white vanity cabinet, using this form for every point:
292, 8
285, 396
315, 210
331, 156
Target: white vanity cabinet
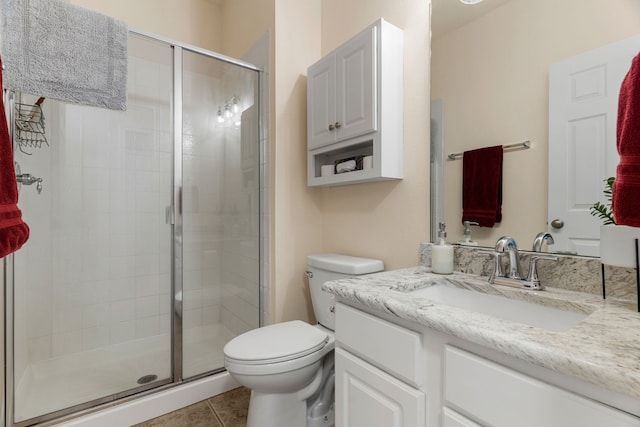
494, 395
369, 397
354, 107
391, 372
379, 372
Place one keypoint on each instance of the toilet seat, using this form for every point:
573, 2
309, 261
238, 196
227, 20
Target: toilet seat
276, 343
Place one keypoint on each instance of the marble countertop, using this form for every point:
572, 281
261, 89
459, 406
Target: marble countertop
603, 349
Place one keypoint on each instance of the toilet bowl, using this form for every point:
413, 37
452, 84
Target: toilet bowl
282, 384
289, 366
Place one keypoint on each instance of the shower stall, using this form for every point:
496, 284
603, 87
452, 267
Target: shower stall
144, 256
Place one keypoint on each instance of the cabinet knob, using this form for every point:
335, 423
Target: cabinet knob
331, 126
338, 125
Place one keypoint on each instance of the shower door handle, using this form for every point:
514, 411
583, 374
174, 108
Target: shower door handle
169, 217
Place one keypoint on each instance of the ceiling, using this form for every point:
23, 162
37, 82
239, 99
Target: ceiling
447, 15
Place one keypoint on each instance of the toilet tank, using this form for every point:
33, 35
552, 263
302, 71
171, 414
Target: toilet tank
324, 267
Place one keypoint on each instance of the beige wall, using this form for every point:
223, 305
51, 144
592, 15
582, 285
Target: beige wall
381, 220
297, 209
385, 220
195, 22
246, 28
493, 77
353, 219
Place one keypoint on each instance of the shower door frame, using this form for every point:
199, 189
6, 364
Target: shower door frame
176, 220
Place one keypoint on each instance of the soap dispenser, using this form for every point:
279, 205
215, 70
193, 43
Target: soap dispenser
467, 234
442, 253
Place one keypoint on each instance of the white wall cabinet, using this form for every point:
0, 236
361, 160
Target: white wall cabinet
438, 380
342, 92
354, 107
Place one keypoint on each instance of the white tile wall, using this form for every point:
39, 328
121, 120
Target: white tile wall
203, 151
260, 54
97, 273
221, 248
97, 269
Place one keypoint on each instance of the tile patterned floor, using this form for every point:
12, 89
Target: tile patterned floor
225, 410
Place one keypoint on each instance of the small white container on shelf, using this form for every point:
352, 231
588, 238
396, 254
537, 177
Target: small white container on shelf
327, 170
367, 162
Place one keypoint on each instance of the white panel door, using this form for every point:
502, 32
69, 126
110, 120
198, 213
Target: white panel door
369, 397
583, 107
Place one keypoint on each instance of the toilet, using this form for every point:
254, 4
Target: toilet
289, 366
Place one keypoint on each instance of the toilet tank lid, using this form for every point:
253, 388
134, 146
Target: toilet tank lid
345, 264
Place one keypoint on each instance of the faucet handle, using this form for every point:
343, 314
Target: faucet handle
533, 282
497, 264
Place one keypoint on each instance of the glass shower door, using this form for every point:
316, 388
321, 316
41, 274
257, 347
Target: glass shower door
221, 194
92, 286
143, 259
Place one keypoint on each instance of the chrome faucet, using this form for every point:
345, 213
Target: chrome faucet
514, 275
542, 237
508, 244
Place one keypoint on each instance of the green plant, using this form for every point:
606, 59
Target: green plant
602, 211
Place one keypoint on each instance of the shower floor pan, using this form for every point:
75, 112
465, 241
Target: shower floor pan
54, 384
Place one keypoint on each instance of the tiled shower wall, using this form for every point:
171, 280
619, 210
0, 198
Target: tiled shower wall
99, 258
240, 255
203, 162
222, 219
221, 210
99, 254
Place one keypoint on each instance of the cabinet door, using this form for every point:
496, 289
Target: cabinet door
321, 101
369, 397
451, 418
356, 86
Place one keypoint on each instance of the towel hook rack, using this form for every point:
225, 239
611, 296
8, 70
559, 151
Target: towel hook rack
523, 144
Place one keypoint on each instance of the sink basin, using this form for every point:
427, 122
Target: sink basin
540, 316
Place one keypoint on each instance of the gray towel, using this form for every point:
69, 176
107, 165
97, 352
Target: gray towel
62, 51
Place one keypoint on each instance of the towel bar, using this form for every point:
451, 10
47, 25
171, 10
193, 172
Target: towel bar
523, 144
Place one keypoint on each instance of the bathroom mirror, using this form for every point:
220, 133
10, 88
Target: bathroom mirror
490, 83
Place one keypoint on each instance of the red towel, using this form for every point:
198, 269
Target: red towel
482, 186
13, 231
626, 187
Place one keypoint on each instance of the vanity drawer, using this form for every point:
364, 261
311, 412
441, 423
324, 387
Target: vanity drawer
491, 394
390, 347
